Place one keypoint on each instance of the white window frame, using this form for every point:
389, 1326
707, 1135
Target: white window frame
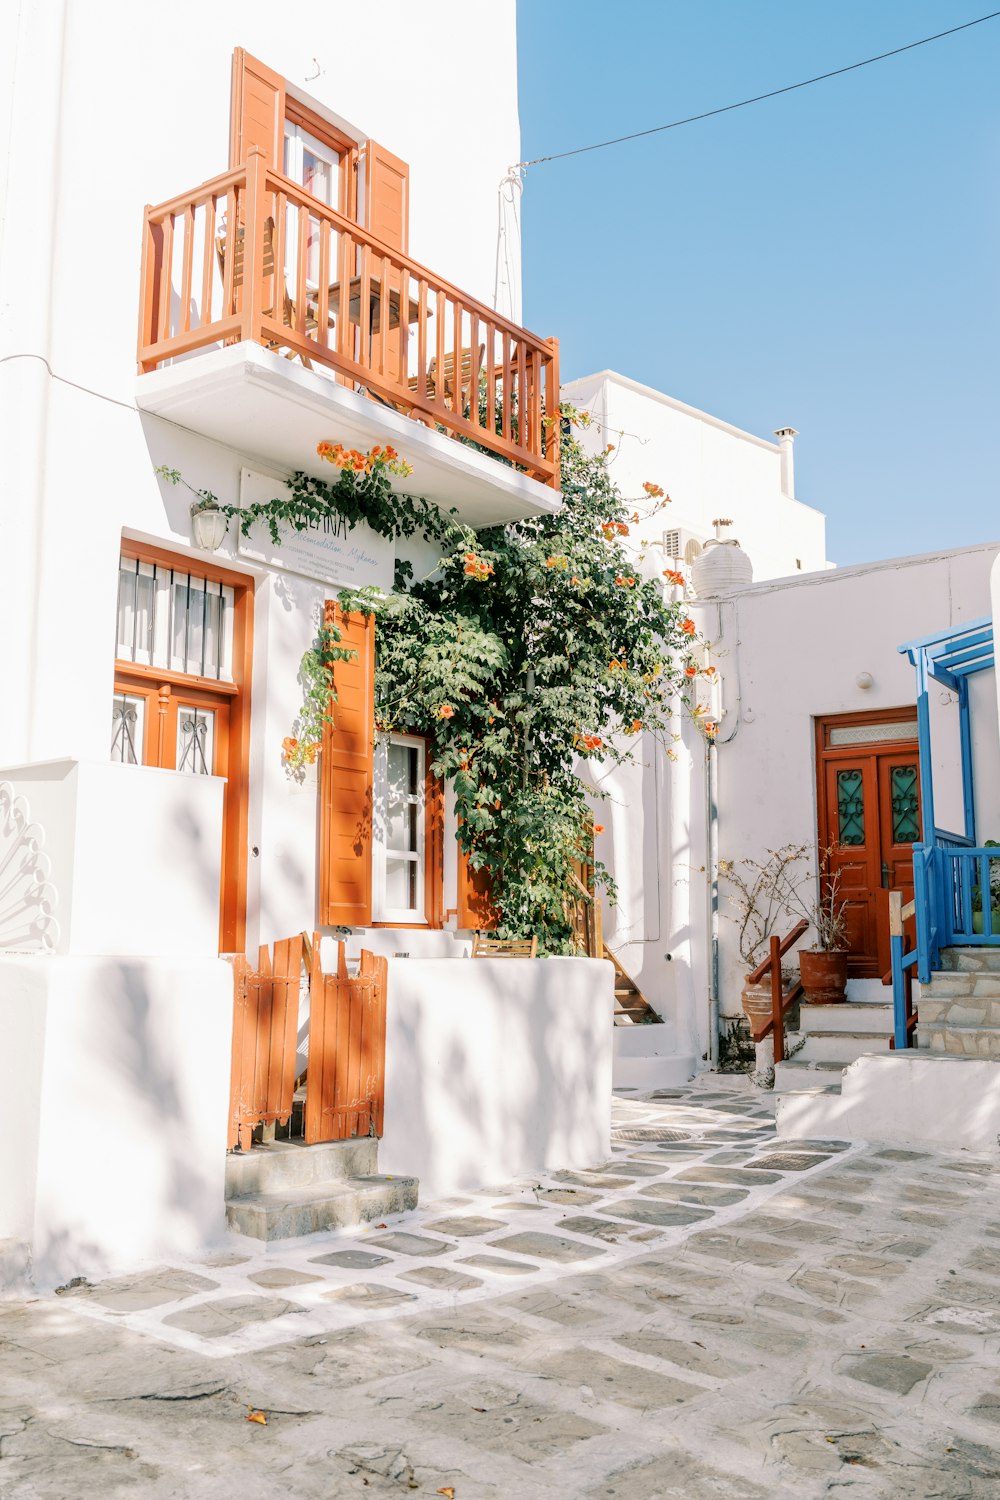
381, 911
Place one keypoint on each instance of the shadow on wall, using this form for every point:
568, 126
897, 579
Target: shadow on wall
496, 1068
133, 1107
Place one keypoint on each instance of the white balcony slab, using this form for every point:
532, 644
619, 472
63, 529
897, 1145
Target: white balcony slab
276, 411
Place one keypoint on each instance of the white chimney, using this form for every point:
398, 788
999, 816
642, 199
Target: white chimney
786, 442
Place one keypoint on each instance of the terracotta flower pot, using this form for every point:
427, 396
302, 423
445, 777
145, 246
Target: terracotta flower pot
823, 975
757, 1005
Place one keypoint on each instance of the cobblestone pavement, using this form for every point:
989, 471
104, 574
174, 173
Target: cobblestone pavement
706, 1315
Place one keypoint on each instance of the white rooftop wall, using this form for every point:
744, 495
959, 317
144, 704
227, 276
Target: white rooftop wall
709, 468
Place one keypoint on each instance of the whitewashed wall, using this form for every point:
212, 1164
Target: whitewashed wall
708, 467
494, 1068
115, 1074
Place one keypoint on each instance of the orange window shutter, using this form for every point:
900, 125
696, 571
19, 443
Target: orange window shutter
257, 111
475, 896
387, 197
346, 780
434, 845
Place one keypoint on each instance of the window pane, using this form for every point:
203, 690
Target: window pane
905, 804
402, 805
128, 717
195, 740
400, 883
873, 734
850, 808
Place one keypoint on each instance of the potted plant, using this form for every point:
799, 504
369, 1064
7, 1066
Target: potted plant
209, 517
823, 968
208, 522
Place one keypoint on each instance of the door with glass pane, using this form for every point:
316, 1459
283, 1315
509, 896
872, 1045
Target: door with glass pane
869, 820
181, 698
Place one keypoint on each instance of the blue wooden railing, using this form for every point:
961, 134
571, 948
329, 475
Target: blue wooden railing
954, 903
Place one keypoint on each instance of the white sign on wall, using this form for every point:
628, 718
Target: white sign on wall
332, 551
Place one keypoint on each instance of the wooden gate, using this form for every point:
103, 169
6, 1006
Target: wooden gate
345, 1089
265, 1025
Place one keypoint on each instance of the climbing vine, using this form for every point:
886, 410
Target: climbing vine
361, 492
533, 649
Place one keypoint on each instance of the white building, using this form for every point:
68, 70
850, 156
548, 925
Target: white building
711, 470
812, 687
243, 218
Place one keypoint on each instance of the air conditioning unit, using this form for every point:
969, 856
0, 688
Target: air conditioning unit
683, 546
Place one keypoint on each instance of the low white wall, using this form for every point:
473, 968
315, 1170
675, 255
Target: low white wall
496, 1067
906, 1098
115, 1078
135, 852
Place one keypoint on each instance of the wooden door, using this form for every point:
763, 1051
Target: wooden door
869, 819
899, 830
849, 846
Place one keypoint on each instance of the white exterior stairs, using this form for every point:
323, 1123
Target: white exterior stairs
830, 1038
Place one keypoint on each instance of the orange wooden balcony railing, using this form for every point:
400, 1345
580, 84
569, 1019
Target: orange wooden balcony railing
250, 255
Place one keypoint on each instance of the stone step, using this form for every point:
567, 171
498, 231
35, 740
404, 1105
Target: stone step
959, 1041
957, 1010
949, 984
850, 1016
973, 960
840, 1046
339, 1204
794, 1075
291, 1164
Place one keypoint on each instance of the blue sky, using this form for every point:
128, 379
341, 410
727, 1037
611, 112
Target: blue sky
828, 260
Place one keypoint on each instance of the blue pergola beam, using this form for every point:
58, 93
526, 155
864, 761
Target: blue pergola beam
949, 657
952, 633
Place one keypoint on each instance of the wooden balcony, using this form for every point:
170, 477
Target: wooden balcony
369, 339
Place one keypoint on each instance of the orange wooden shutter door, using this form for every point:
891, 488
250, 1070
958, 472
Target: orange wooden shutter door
387, 197
257, 112
475, 896
345, 871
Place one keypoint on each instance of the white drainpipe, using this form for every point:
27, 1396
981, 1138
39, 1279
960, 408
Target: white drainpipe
786, 442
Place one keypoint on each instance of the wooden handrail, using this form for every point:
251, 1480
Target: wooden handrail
299, 276
783, 947
781, 999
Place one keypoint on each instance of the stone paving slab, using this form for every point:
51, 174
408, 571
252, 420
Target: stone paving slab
834, 1329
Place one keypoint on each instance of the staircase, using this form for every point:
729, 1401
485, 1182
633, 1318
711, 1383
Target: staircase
829, 1040
958, 1011
631, 1005
284, 1188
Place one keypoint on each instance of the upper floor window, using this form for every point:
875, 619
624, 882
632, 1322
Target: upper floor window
175, 620
313, 164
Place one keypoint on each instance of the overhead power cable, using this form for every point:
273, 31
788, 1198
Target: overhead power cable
789, 88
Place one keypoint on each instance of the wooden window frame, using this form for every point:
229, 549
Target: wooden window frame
297, 113
236, 813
